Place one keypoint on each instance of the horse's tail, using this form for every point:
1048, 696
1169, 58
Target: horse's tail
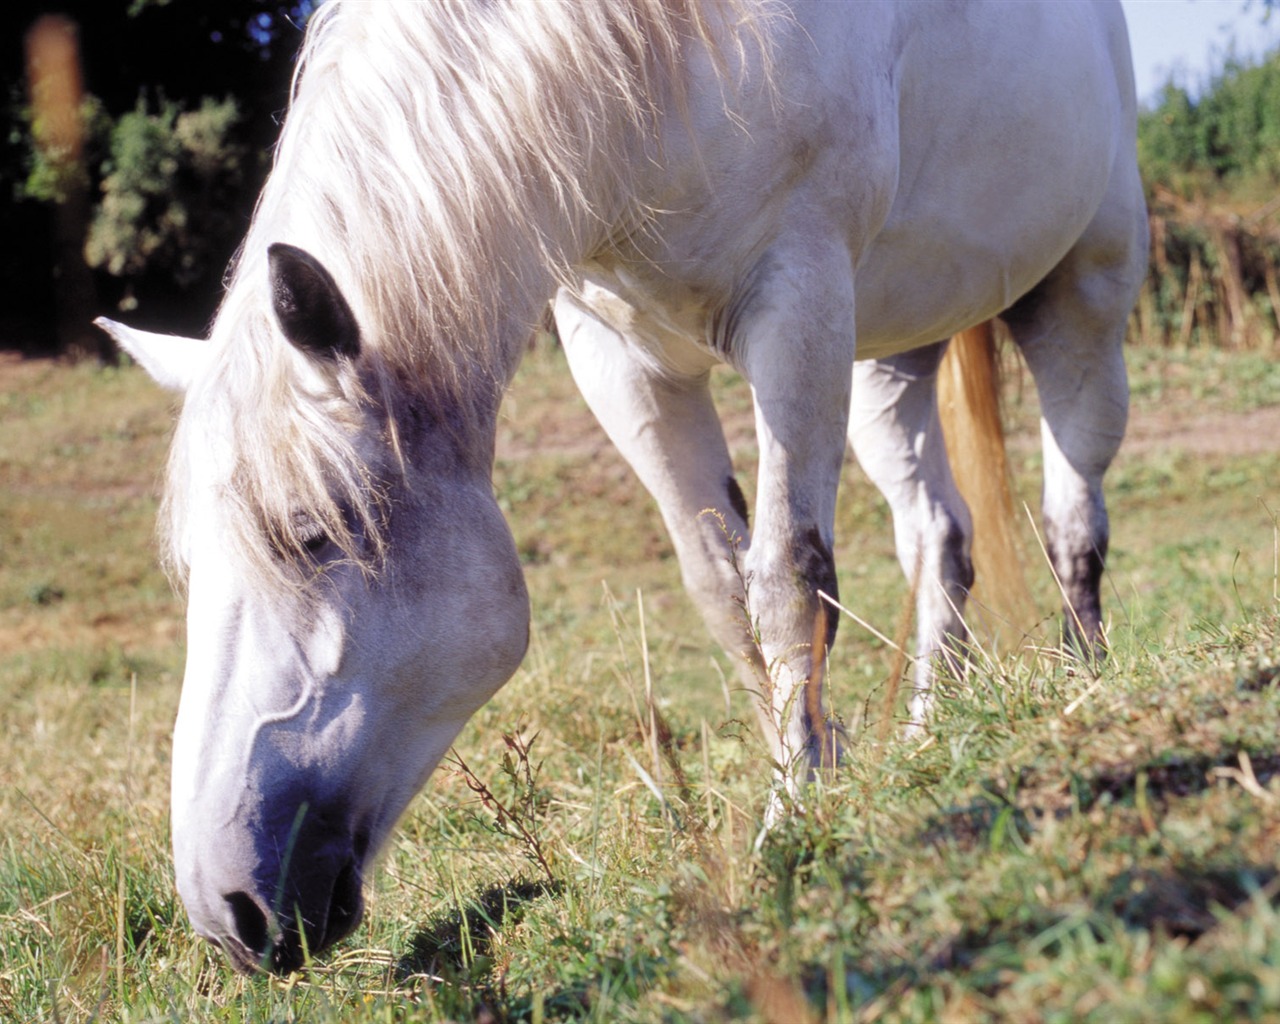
969, 405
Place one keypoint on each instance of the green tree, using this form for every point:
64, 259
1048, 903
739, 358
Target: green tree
167, 181
185, 97
1227, 136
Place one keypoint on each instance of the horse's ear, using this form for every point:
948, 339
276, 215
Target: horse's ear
308, 305
173, 361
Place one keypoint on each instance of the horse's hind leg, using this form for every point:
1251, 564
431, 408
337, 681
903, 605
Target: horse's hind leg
1083, 399
896, 436
1071, 330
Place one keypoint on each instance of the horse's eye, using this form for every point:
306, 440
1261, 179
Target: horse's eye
311, 535
315, 541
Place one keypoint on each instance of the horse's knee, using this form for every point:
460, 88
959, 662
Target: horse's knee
816, 572
783, 582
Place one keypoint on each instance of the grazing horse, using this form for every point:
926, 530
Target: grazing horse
786, 187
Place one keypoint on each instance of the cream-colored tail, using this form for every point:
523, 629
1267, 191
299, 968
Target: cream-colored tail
969, 406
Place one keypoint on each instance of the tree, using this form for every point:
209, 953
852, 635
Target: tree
185, 97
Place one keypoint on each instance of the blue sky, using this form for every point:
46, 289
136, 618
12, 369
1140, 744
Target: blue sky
1183, 37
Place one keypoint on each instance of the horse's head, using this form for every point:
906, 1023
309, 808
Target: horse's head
354, 595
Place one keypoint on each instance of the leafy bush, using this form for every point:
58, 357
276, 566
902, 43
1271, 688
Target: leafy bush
52, 173
169, 179
1228, 134
1211, 164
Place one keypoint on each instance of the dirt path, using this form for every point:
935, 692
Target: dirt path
573, 433
1255, 432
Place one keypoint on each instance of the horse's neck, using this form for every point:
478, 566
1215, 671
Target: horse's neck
554, 237
496, 229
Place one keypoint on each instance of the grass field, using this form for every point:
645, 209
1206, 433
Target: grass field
1065, 845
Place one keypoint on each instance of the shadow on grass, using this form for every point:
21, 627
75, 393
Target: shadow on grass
1173, 777
1183, 903
1173, 895
1186, 902
1157, 781
457, 956
452, 942
1260, 679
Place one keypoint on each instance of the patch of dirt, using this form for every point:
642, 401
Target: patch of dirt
575, 433
76, 629
1255, 432
566, 427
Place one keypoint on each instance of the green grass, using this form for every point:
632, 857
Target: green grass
1064, 846
1204, 378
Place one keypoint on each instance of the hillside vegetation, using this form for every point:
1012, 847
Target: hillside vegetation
1212, 168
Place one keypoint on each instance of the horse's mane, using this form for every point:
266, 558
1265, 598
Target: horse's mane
427, 148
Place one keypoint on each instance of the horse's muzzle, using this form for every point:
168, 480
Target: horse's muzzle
299, 892
311, 917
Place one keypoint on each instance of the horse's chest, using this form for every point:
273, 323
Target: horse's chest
668, 318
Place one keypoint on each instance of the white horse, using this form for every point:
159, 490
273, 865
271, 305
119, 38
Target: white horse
781, 186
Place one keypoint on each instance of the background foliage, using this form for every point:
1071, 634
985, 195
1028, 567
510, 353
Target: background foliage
167, 179
185, 101
1211, 164
1228, 137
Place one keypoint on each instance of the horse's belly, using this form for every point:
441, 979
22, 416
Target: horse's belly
1003, 165
924, 287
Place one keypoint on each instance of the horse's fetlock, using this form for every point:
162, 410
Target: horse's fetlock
955, 561
737, 500
1079, 566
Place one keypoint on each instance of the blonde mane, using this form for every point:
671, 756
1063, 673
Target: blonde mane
445, 161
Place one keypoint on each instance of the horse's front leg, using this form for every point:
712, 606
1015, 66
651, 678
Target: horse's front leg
795, 346
660, 416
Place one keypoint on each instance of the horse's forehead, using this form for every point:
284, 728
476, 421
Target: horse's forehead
238, 414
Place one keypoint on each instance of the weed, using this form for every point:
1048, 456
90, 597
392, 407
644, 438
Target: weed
518, 817
45, 593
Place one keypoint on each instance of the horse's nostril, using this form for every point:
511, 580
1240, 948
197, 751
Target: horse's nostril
249, 921
345, 905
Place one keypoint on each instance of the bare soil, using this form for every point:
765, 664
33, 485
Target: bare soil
1254, 432
566, 429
